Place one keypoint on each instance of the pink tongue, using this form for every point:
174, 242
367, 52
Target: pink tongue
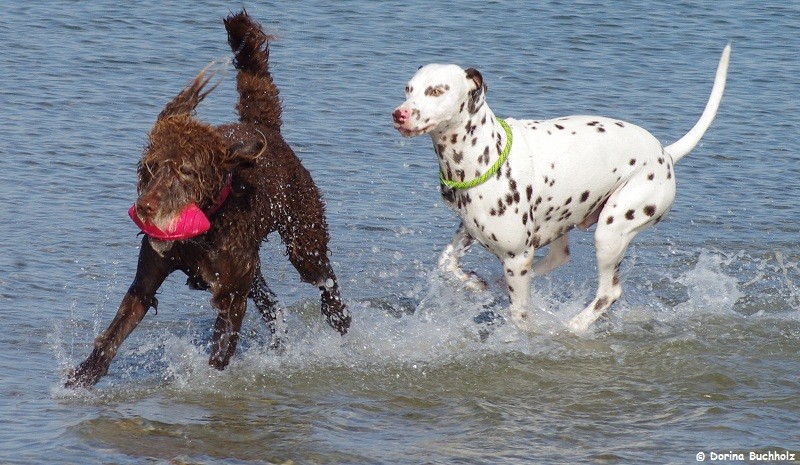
192, 222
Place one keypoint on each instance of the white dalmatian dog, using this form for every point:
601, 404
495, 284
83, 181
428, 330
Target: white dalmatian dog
519, 185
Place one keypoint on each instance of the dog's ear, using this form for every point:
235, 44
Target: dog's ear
187, 100
245, 154
478, 89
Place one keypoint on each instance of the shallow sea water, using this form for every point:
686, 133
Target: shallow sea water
700, 355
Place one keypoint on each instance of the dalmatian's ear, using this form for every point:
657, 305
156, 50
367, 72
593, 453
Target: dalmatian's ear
477, 94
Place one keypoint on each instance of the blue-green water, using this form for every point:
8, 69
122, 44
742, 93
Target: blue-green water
700, 355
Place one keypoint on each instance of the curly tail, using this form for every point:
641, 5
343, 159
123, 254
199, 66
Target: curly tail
685, 144
258, 96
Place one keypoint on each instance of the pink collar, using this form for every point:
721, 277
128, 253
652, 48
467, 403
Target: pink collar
223, 195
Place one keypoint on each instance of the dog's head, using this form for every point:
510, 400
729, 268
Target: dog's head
186, 162
439, 97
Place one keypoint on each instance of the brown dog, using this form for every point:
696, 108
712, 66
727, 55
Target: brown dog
248, 183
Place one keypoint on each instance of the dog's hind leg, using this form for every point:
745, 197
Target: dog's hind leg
448, 260
306, 240
232, 306
266, 301
315, 268
267, 304
611, 246
637, 206
331, 304
557, 255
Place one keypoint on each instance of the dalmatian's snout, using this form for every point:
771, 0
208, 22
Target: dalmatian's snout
400, 116
407, 121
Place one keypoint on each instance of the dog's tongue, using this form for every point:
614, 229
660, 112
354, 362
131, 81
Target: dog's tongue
191, 222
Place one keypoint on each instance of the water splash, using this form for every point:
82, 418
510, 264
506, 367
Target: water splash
436, 323
709, 288
774, 274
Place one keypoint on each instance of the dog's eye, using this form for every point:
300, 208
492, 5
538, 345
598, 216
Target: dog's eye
408, 89
437, 91
186, 171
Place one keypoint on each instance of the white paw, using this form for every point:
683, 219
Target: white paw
523, 319
580, 323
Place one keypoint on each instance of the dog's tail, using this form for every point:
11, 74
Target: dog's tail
258, 96
685, 144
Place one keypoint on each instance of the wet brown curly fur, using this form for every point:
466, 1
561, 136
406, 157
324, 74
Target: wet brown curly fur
251, 49
204, 172
188, 161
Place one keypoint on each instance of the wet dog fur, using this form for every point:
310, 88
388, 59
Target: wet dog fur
188, 161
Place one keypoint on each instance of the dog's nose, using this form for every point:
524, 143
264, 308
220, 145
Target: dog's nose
400, 116
146, 206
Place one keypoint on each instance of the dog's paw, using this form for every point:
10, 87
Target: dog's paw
278, 345
580, 323
85, 375
473, 282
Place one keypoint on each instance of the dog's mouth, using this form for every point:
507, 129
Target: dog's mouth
406, 132
191, 222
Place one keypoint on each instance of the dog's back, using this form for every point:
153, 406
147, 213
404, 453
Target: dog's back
287, 198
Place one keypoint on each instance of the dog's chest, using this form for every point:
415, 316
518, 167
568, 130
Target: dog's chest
498, 213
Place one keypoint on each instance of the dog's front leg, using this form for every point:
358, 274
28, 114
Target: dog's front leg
518, 279
451, 254
151, 271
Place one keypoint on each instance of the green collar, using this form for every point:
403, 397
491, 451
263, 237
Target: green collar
492, 170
